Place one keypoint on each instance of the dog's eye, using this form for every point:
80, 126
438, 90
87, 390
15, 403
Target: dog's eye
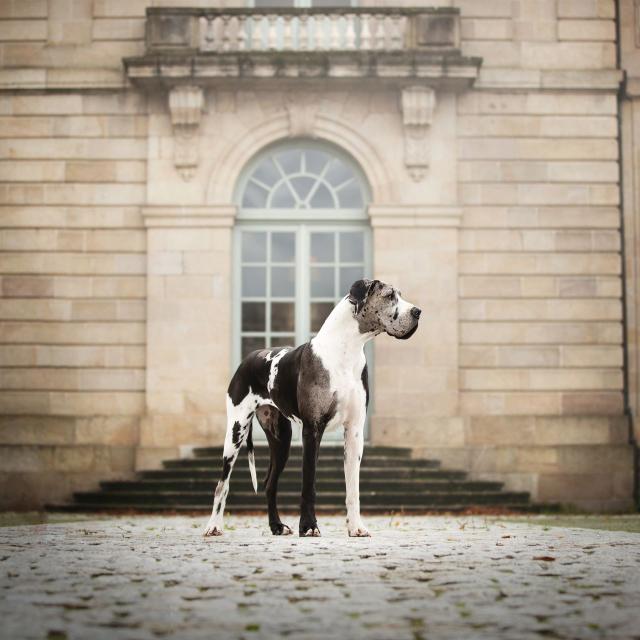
389, 295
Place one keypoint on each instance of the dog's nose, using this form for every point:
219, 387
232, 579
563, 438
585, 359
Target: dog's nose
415, 312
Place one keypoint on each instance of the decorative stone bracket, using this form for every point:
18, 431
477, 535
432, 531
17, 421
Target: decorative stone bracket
418, 106
185, 104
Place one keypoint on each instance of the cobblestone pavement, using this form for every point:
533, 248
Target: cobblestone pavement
417, 577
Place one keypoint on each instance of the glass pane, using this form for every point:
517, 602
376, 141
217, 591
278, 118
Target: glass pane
253, 316
348, 275
302, 186
322, 247
315, 161
254, 246
254, 282
254, 196
322, 282
319, 313
267, 172
283, 247
283, 282
290, 161
283, 316
351, 246
350, 197
338, 173
283, 198
283, 341
322, 198
251, 344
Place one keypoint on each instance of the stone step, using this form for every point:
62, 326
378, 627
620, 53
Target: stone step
388, 482
331, 473
337, 484
201, 498
327, 450
326, 461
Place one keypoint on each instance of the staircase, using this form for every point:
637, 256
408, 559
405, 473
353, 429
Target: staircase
390, 480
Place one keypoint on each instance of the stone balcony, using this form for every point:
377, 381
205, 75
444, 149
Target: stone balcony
207, 46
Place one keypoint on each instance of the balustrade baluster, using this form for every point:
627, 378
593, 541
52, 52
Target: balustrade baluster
207, 33
287, 40
272, 32
241, 33
225, 33
334, 32
380, 28
350, 35
365, 31
397, 35
303, 32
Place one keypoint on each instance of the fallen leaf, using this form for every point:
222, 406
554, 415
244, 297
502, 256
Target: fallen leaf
544, 558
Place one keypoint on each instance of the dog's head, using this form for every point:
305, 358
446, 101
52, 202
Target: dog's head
379, 307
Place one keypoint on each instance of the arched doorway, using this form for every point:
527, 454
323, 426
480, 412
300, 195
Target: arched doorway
302, 238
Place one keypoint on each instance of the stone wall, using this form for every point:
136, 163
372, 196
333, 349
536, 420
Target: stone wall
72, 178
517, 373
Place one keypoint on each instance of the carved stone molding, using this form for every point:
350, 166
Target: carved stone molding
301, 117
185, 104
418, 106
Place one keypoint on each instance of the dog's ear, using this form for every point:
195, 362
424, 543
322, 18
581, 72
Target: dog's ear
360, 291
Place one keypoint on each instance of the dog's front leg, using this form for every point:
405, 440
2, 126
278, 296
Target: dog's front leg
310, 448
353, 448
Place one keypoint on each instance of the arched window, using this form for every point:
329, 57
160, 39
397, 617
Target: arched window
302, 238
303, 178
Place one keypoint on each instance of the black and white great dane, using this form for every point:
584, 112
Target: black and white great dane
320, 385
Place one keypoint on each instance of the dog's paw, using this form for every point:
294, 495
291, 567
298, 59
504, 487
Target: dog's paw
359, 532
212, 530
281, 529
313, 532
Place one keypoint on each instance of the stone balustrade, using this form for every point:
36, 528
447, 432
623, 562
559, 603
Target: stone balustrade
289, 32
314, 29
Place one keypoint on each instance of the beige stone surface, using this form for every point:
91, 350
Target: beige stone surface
116, 274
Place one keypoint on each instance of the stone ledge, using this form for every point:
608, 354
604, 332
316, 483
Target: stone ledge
454, 73
383, 215
197, 216
560, 80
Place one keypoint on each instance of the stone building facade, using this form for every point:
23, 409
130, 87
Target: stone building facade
481, 144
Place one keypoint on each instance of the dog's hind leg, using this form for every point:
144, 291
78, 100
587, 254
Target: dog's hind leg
238, 424
278, 431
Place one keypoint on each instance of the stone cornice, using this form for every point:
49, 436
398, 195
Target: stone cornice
190, 216
440, 71
402, 215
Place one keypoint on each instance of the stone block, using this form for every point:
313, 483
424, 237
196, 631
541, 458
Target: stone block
26, 287
568, 55
586, 9
118, 29
148, 457
593, 30
23, 9
21, 30
483, 29
36, 430
592, 402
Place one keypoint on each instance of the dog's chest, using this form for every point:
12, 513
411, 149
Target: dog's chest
345, 381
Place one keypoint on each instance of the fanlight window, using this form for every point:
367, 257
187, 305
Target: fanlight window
302, 179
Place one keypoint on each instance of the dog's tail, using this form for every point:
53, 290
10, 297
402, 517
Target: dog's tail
252, 459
